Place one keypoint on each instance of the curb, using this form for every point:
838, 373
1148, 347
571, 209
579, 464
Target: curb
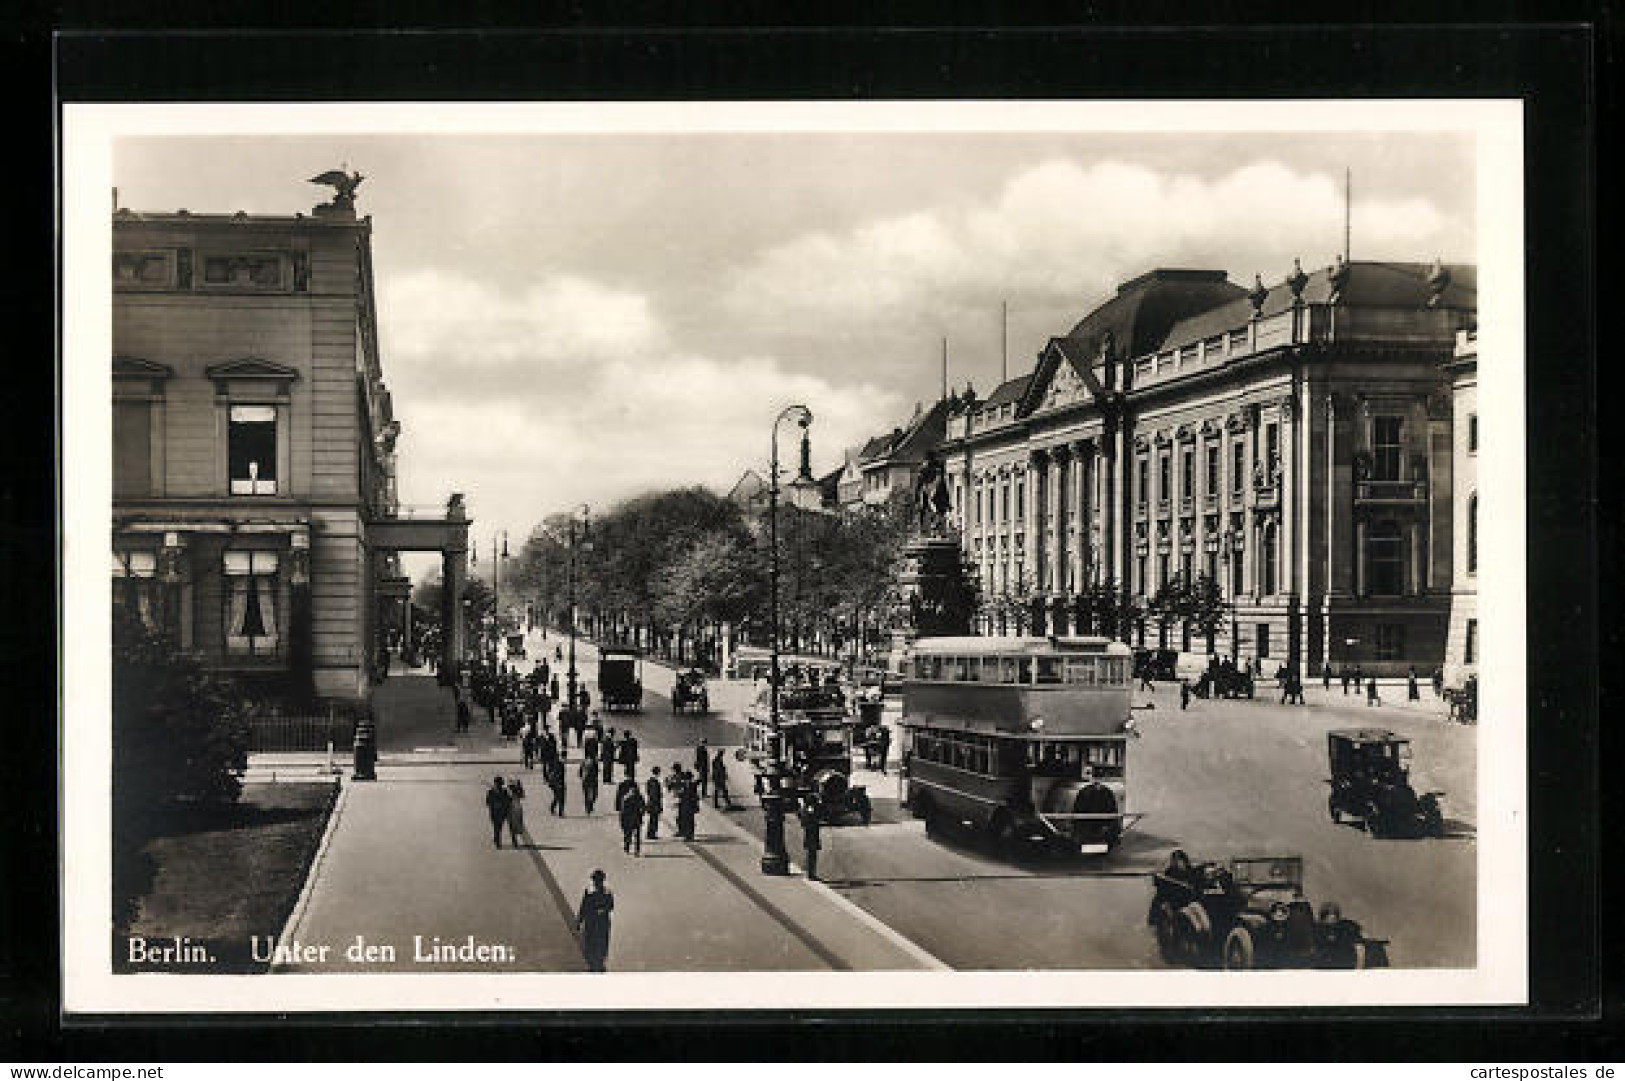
297, 915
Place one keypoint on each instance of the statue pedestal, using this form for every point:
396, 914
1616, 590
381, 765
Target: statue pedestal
938, 597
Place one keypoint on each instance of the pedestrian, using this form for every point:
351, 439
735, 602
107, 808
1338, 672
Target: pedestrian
558, 653
592, 921
884, 746
1145, 679
553, 688
1411, 693
811, 839
496, 805
516, 810
555, 781
1184, 694
589, 741
629, 752
1344, 672
654, 802
720, 796
688, 806
1371, 698
588, 775
462, 715
629, 804
702, 766
528, 744
1326, 678
1438, 683
606, 754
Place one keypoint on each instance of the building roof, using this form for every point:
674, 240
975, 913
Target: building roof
925, 430
1010, 390
748, 488
1369, 285
1139, 316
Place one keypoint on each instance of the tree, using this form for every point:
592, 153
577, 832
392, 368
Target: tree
1205, 608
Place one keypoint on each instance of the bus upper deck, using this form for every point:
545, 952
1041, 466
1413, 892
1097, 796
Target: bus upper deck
1049, 687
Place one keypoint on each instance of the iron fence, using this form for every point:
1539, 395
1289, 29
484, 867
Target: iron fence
281, 733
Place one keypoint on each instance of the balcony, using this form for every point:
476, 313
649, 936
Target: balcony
1391, 492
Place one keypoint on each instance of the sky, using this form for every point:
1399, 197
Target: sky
577, 318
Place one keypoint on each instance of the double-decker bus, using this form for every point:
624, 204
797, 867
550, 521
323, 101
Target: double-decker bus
1026, 738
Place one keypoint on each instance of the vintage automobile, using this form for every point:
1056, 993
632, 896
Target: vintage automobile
1250, 912
688, 693
516, 645
620, 678
1371, 782
817, 736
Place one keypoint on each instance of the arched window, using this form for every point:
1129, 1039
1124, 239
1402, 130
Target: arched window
1385, 559
1472, 533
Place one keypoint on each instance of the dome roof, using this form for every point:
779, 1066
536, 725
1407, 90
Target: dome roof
1145, 308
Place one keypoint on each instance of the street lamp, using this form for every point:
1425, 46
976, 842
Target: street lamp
775, 860
586, 546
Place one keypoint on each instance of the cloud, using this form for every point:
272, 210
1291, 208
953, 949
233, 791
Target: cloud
1057, 239
573, 392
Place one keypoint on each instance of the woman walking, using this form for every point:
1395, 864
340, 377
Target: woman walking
516, 810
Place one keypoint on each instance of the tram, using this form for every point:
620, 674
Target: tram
1024, 738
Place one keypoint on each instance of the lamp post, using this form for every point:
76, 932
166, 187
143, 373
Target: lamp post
585, 545
775, 860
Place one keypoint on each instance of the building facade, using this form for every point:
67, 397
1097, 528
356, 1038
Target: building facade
254, 501
1291, 444
1461, 650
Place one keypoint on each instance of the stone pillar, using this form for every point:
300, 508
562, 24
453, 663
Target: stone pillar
1359, 557
1029, 523
453, 577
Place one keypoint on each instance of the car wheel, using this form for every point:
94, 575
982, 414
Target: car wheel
1238, 950
1003, 828
1164, 919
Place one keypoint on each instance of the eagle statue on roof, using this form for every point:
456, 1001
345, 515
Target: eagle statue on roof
343, 184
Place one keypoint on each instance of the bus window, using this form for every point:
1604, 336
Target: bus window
1025, 669
933, 668
972, 670
957, 668
1080, 670
1049, 669
1008, 672
990, 669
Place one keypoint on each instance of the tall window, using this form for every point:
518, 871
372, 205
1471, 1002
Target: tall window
1238, 467
1139, 574
1212, 488
1237, 578
1268, 556
1187, 473
1472, 433
978, 504
1145, 483
1164, 481
1385, 559
1469, 654
1390, 641
251, 449
250, 596
1385, 447
1272, 449
1263, 641
134, 576
132, 448
1472, 533
1186, 564
1021, 500
1004, 502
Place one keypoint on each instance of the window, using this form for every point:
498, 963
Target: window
250, 597
1469, 654
1164, 470
979, 495
1385, 560
1390, 641
1145, 483
1263, 641
1021, 500
1237, 577
1139, 573
1472, 433
1238, 466
1162, 569
1472, 533
1212, 488
1385, 447
1186, 567
251, 450
1272, 445
1080, 671
1268, 555
1049, 669
1004, 501
132, 448
1187, 473
134, 576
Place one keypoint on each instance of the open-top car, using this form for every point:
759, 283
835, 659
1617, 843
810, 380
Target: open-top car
1250, 912
1371, 783
620, 678
688, 693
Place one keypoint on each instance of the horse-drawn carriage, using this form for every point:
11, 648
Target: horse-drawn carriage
620, 678
688, 693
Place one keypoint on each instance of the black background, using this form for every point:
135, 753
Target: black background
1560, 69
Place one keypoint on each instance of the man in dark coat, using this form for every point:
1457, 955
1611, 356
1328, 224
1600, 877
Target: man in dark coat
629, 804
653, 802
556, 782
592, 921
720, 796
462, 715
1184, 694
629, 753
702, 766
811, 837
688, 805
496, 805
883, 745
607, 750
588, 774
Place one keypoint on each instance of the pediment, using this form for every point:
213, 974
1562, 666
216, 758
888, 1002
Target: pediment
251, 368
140, 368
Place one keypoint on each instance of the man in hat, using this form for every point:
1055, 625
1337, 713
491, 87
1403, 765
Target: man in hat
592, 921
702, 766
496, 805
629, 804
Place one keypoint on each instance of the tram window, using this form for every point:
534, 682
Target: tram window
1049, 669
1080, 670
990, 669
971, 672
933, 668
961, 669
1008, 670
1024, 669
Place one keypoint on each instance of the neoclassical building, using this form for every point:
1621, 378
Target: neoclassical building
1461, 651
1292, 443
254, 510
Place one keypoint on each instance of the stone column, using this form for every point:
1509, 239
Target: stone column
453, 577
1359, 557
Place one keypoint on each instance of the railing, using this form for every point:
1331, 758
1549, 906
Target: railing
281, 734
418, 512
1391, 491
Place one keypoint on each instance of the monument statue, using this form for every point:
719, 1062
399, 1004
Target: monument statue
343, 184
931, 499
